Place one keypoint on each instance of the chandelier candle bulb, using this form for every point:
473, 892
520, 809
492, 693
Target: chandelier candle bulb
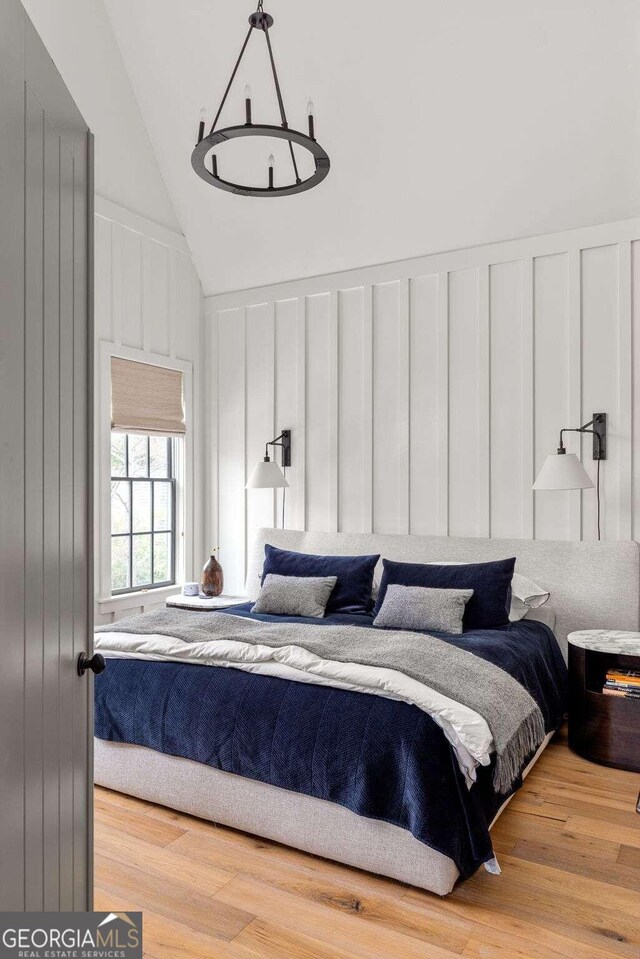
271, 162
214, 164
203, 116
312, 133
247, 104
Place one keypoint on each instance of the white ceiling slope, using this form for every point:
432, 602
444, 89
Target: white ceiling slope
447, 124
79, 38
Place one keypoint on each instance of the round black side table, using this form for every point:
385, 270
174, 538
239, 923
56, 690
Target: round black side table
603, 728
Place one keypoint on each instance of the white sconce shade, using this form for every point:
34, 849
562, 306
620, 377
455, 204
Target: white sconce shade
267, 475
563, 471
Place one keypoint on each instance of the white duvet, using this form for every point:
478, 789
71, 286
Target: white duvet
465, 729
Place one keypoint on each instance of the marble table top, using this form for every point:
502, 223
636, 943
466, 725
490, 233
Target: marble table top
204, 602
607, 640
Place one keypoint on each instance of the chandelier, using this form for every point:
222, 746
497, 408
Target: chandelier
204, 150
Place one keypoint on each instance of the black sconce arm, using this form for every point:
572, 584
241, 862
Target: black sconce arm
284, 441
599, 433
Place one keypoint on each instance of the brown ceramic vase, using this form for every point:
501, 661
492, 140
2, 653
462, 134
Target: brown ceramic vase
212, 577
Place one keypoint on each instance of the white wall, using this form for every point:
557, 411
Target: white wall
424, 395
80, 40
147, 298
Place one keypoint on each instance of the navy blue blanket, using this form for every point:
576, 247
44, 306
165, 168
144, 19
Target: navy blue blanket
380, 758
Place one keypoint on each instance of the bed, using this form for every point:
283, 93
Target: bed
365, 779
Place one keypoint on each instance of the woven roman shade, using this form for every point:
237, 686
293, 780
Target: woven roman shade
146, 399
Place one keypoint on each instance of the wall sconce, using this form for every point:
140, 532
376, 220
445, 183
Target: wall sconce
267, 474
562, 470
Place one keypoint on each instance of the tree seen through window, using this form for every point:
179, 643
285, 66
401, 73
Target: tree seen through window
143, 493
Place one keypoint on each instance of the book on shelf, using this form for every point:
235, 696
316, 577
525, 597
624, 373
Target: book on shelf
622, 682
625, 693
628, 676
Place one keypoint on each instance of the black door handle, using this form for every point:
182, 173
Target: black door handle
96, 663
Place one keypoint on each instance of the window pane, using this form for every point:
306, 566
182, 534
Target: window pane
159, 456
141, 507
161, 557
141, 561
120, 507
162, 505
120, 562
142, 511
138, 462
118, 457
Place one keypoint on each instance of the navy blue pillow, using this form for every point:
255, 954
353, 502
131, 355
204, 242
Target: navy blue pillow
352, 592
488, 608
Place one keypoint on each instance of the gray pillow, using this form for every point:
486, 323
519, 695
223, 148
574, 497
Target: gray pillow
422, 607
294, 595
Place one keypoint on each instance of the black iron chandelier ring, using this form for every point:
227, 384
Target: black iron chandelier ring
205, 146
261, 21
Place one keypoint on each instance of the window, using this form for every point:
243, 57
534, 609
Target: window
144, 485
143, 512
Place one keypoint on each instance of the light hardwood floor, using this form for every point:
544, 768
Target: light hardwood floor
568, 844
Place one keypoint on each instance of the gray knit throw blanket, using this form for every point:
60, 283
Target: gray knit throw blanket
513, 717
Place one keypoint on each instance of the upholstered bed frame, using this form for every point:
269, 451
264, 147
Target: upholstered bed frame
592, 585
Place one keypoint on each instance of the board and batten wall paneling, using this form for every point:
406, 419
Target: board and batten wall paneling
353, 412
321, 401
232, 470
390, 407
148, 297
466, 438
424, 385
551, 385
260, 400
290, 400
509, 437
424, 395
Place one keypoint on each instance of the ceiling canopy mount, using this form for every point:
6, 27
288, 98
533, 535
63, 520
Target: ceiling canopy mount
261, 20
205, 161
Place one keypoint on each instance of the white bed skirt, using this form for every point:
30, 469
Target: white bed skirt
303, 822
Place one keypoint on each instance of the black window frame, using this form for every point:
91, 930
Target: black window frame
170, 481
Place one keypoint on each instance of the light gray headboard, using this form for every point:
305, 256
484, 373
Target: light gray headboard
592, 585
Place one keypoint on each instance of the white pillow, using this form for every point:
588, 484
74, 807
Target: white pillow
525, 594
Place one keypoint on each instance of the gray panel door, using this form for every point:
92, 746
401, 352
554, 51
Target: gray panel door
45, 523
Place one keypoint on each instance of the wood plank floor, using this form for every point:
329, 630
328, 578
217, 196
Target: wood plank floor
568, 844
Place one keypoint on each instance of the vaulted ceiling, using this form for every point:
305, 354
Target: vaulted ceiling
447, 124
